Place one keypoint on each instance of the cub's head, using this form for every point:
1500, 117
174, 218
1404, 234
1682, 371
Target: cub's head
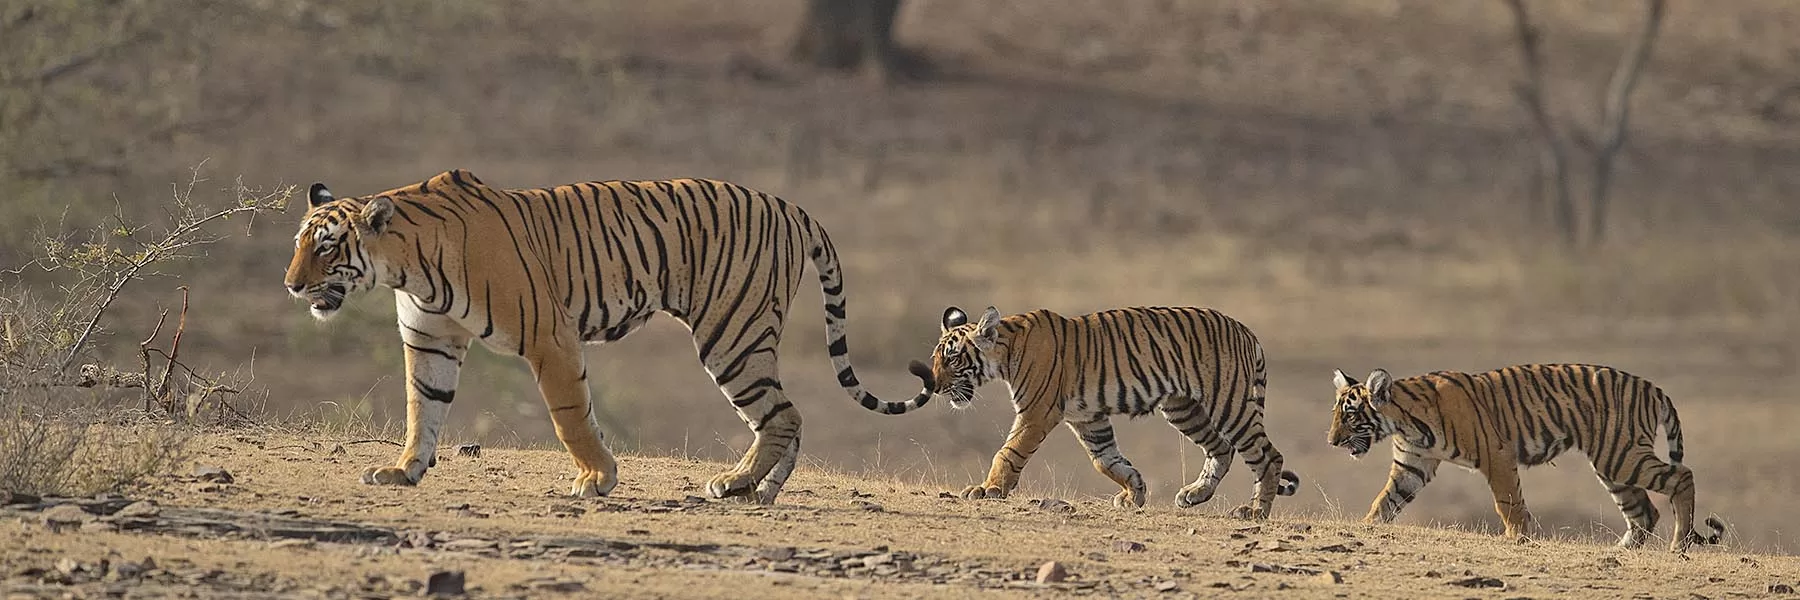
331, 253
966, 356
1356, 421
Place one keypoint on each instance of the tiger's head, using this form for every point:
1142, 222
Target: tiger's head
1356, 419
966, 356
332, 257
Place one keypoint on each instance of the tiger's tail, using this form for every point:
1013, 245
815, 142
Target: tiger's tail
1671, 422
831, 283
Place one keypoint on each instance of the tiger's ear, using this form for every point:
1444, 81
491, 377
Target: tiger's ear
953, 317
319, 195
988, 327
1339, 379
1380, 386
373, 220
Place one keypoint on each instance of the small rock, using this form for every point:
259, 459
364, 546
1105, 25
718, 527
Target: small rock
444, 583
947, 495
469, 450
1330, 577
1128, 546
142, 509
99, 527
691, 499
469, 545
70, 567
1055, 505
1479, 581
637, 532
558, 585
1052, 572
869, 506
1248, 530
855, 493
876, 560
213, 474
1336, 548
776, 554
8, 497
1781, 588
1167, 585
64, 516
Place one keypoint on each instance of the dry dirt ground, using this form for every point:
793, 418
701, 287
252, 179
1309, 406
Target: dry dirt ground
293, 522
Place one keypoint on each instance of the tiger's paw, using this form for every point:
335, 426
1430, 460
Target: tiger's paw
731, 484
1194, 495
983, 492
387, 476
1249, 513
1128, 500
593, 484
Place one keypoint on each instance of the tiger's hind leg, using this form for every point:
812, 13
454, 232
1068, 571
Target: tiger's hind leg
742, 361
1097, 437
778, 476
1191, 420
1640, 514
1640, 467
1263, 459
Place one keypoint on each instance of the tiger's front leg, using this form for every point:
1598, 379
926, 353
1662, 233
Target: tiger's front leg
1409, 474
435, 347
1027, 434
562, 379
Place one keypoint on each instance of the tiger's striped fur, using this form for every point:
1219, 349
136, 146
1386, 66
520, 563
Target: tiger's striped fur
1201, 369
1498, 421
540, 272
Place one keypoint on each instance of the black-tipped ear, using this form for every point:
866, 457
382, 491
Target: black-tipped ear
319, 195
954, 317
1339, 379
375, 216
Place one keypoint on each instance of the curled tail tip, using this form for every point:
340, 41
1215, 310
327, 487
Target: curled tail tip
1289, 484
1718, 530
923, 372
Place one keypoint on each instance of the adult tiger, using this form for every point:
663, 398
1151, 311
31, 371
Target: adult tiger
1520, 416
539, 272
1203, 370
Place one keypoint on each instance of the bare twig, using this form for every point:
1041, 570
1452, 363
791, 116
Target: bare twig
388, 442
174, 240
1616, 111
162, 387
144, 350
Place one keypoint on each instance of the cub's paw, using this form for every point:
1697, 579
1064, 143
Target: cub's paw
1128, 500
730, 484
593, 484
387, 476
978, 492
1194, 495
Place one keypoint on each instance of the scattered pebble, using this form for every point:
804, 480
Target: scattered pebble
1052, 572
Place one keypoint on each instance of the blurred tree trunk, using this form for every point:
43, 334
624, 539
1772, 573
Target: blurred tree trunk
1556, 139
847, 34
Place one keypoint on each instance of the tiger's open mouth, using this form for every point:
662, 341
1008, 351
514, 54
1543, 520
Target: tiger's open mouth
1358, 446
328, 299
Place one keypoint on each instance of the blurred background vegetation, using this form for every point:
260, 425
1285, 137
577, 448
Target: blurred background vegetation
1358, 180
